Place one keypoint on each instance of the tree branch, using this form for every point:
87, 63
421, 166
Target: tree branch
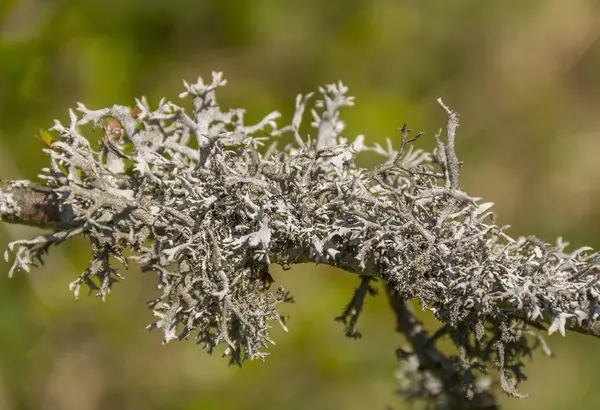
26, 203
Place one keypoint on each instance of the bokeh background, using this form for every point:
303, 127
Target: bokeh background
525, 76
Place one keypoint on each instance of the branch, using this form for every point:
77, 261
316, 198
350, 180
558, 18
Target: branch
440, 377
26, 203
36, 205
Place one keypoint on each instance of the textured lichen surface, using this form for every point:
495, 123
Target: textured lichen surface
208, 203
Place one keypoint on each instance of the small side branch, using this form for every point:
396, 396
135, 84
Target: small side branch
440, 376
352, 311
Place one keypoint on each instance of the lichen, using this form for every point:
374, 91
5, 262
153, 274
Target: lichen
209, 221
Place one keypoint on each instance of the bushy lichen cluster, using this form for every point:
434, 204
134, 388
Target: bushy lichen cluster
202, 204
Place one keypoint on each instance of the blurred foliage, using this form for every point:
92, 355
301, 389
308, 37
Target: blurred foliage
524, 76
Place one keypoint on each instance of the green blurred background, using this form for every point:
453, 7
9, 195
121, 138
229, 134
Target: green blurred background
525, 76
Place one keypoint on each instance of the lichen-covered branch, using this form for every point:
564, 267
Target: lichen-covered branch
209, 221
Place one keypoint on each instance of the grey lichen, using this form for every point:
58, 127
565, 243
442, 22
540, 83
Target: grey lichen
209, 221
